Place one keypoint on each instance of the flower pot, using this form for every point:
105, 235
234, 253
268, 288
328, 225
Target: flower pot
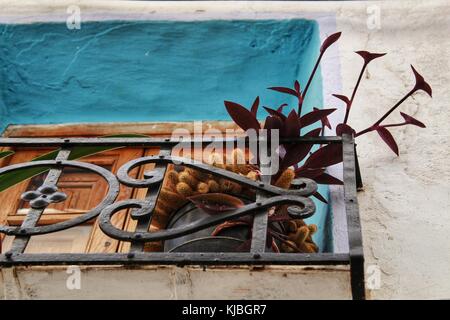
229, 240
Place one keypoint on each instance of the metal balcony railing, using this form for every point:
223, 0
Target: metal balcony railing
267, 196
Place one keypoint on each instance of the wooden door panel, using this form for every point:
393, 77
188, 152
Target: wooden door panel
73, 240
84, 189
10, 198
130, 224
99, 242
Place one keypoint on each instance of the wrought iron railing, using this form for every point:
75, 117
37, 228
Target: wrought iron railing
300, 206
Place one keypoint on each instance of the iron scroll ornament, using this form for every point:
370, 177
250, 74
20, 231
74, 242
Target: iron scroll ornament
113, 191
300, 206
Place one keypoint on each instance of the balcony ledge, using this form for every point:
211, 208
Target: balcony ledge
171, 282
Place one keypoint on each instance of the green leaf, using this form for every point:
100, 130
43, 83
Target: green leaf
10, 179
4, 154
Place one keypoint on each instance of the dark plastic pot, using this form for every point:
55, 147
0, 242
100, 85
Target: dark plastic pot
229, 240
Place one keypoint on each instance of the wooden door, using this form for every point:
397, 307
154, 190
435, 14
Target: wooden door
84, 191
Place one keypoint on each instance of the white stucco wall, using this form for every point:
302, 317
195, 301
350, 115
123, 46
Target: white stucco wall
156, 282
405, 207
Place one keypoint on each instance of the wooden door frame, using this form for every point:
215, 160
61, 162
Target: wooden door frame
108, 128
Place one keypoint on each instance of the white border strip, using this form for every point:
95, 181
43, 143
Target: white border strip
29, 11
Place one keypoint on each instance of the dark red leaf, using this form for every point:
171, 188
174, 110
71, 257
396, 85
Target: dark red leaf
280, 108
297, 152
214, 203
313, 133
388, 138
325, 156
241, 116
325, 122
411, 120
329, 41
308, 173
314, 116
368, 56
255, 105
227, 225
325, 178
275, 113
421, 84
297, 86
291, 128
344, 128
285, 90
343, 98
320, 197
273, 123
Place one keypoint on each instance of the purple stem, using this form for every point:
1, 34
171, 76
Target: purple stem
395, 107
376, 124
364, 131
309, 83
347, 112
395, 125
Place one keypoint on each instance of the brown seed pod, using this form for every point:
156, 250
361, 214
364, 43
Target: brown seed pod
186, 177
312, 229
306, 247
252, 175
201, 176
166, 206
160, 218
184, 189
227, 186
301, 235
213, 186
285, 179
288, 248
169, 196
202, 187
172, 178
312, 246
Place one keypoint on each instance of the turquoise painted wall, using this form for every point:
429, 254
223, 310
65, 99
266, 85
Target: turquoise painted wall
152, 71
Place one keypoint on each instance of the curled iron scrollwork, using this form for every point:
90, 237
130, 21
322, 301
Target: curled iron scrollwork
306, 187
47, 194
307, 209
299, 205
